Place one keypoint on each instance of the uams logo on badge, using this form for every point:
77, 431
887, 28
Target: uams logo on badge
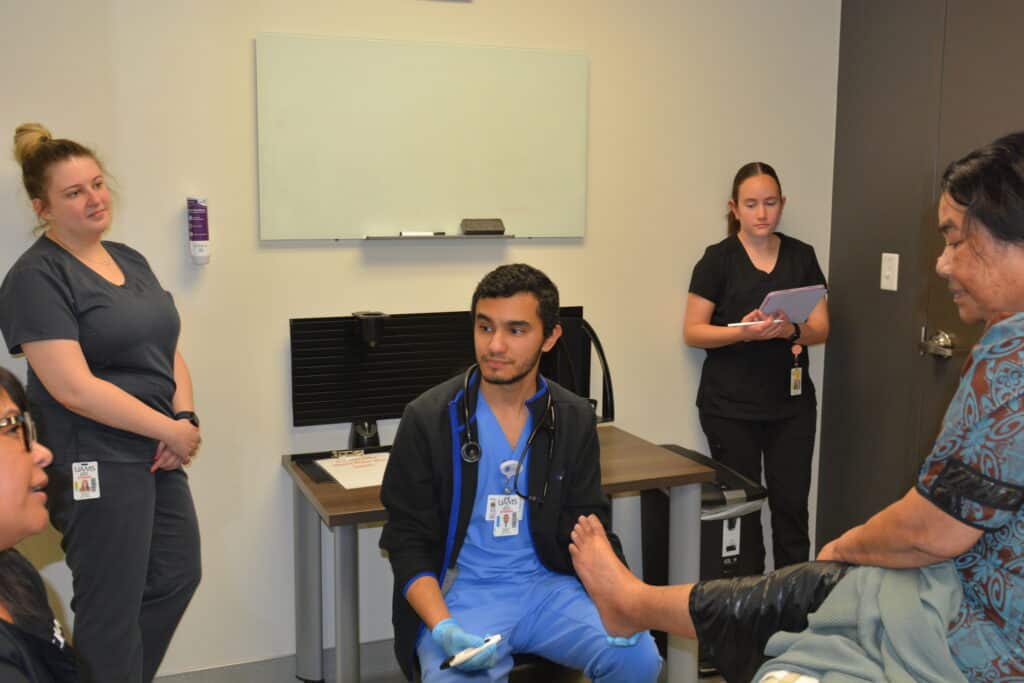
85, 480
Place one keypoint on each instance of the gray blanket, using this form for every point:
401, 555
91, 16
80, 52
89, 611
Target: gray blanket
877, 625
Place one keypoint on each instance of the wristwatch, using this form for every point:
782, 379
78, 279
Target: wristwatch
796, 333
187, 415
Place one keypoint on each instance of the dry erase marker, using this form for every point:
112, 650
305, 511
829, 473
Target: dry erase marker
420, 233
753, 322
469, 652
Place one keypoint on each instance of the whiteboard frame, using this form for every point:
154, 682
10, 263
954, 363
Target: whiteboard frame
368, 138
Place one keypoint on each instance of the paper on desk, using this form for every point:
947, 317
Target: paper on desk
357, 470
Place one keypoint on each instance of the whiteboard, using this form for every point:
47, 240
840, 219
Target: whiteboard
369, 138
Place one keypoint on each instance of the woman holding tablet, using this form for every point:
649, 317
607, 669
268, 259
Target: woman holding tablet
756, 399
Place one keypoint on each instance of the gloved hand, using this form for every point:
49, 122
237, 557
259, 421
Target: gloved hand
453, 640
619, 641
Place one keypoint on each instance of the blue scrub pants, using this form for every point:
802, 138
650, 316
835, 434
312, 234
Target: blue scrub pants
549, 615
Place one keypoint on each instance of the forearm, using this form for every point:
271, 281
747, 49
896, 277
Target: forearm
708, 336
108, 404
811, 334
869, 544
183, 399
909, 533
424, 595
815, 329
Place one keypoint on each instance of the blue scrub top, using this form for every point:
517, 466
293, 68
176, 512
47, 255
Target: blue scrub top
485, 556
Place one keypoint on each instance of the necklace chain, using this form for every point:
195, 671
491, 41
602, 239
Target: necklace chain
105, 262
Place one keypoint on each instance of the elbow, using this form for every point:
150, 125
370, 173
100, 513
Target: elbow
689, 338
822, 326
943, 542
941, 546
934, 554
71, 397
818, 334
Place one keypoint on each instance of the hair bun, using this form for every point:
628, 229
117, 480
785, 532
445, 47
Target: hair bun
27, 137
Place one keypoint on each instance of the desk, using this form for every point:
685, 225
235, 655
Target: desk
628, 464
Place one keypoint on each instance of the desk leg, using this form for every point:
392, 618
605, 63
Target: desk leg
309, 619
346, 604
683, 567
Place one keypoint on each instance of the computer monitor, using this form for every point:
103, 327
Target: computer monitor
338, 376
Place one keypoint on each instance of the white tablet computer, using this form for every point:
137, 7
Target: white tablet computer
797, 303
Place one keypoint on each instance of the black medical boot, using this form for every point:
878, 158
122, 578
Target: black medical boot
734, 618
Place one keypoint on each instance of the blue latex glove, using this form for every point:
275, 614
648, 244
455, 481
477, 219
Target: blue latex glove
619, 641
452, 639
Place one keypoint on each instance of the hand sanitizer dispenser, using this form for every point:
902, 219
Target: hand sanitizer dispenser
198, 231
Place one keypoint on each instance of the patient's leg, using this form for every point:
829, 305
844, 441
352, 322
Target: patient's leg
626, 604
734, 617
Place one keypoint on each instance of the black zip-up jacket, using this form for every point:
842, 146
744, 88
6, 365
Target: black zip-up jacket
427, 482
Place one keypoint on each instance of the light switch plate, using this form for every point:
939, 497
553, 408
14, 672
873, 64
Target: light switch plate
890, 271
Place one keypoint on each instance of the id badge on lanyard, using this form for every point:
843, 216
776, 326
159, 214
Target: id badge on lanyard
506, 511
796, 373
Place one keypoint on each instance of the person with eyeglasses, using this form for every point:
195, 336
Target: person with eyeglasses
113, 398
33, 648
487, 475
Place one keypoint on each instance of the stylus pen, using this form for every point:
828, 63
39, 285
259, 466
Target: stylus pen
753, 322
469, 652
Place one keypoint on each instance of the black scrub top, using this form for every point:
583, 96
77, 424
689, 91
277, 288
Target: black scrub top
32, 649
128, 334
750, 380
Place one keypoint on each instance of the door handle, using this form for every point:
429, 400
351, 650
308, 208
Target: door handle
940, 344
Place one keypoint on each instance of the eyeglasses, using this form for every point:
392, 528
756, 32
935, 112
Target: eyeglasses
25, 424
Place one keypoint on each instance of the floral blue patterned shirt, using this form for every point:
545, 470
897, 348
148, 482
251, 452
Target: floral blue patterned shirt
975, 473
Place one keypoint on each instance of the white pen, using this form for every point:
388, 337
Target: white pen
753, 322
469, 652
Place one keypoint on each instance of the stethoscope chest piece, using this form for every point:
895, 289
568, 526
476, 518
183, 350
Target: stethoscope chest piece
471, 452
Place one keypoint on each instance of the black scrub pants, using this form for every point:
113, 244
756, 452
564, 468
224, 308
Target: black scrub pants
135, 564
787, 446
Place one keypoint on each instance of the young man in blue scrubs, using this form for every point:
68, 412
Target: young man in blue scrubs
487, 476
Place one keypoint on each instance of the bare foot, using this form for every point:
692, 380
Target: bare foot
610, 584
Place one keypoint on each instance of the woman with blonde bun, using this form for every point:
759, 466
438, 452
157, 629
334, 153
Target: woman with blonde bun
113, 399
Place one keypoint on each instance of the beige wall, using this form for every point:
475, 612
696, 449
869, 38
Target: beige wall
682, 93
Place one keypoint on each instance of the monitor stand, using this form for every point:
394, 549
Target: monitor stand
364, 434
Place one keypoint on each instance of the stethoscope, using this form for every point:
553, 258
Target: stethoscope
471, 450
